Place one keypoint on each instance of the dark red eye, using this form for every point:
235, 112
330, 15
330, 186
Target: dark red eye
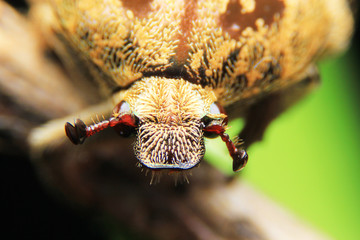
208, 133
128, 121
214, 126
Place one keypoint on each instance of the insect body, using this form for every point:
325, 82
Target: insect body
172, 67
170, 73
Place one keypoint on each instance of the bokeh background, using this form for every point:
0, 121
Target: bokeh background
309, 162
309, 159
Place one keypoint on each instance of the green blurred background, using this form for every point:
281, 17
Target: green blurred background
309, 159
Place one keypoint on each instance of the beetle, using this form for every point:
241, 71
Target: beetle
176, 71
217, 60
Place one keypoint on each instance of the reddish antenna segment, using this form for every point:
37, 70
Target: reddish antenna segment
79, 132
239, 156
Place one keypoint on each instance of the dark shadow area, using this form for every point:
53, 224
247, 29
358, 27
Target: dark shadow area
19, 4
29, 212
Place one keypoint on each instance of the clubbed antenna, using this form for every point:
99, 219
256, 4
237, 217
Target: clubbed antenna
79, 132
239, 156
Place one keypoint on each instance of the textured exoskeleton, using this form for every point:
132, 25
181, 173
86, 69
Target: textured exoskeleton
169, 73
172, 67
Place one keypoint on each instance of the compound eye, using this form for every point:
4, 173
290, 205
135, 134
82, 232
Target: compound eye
125, 130
127, 120
213, 123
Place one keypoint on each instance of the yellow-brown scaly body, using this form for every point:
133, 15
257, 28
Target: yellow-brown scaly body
171, 60
162, 70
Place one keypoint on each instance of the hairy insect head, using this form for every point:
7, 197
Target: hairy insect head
169, 135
